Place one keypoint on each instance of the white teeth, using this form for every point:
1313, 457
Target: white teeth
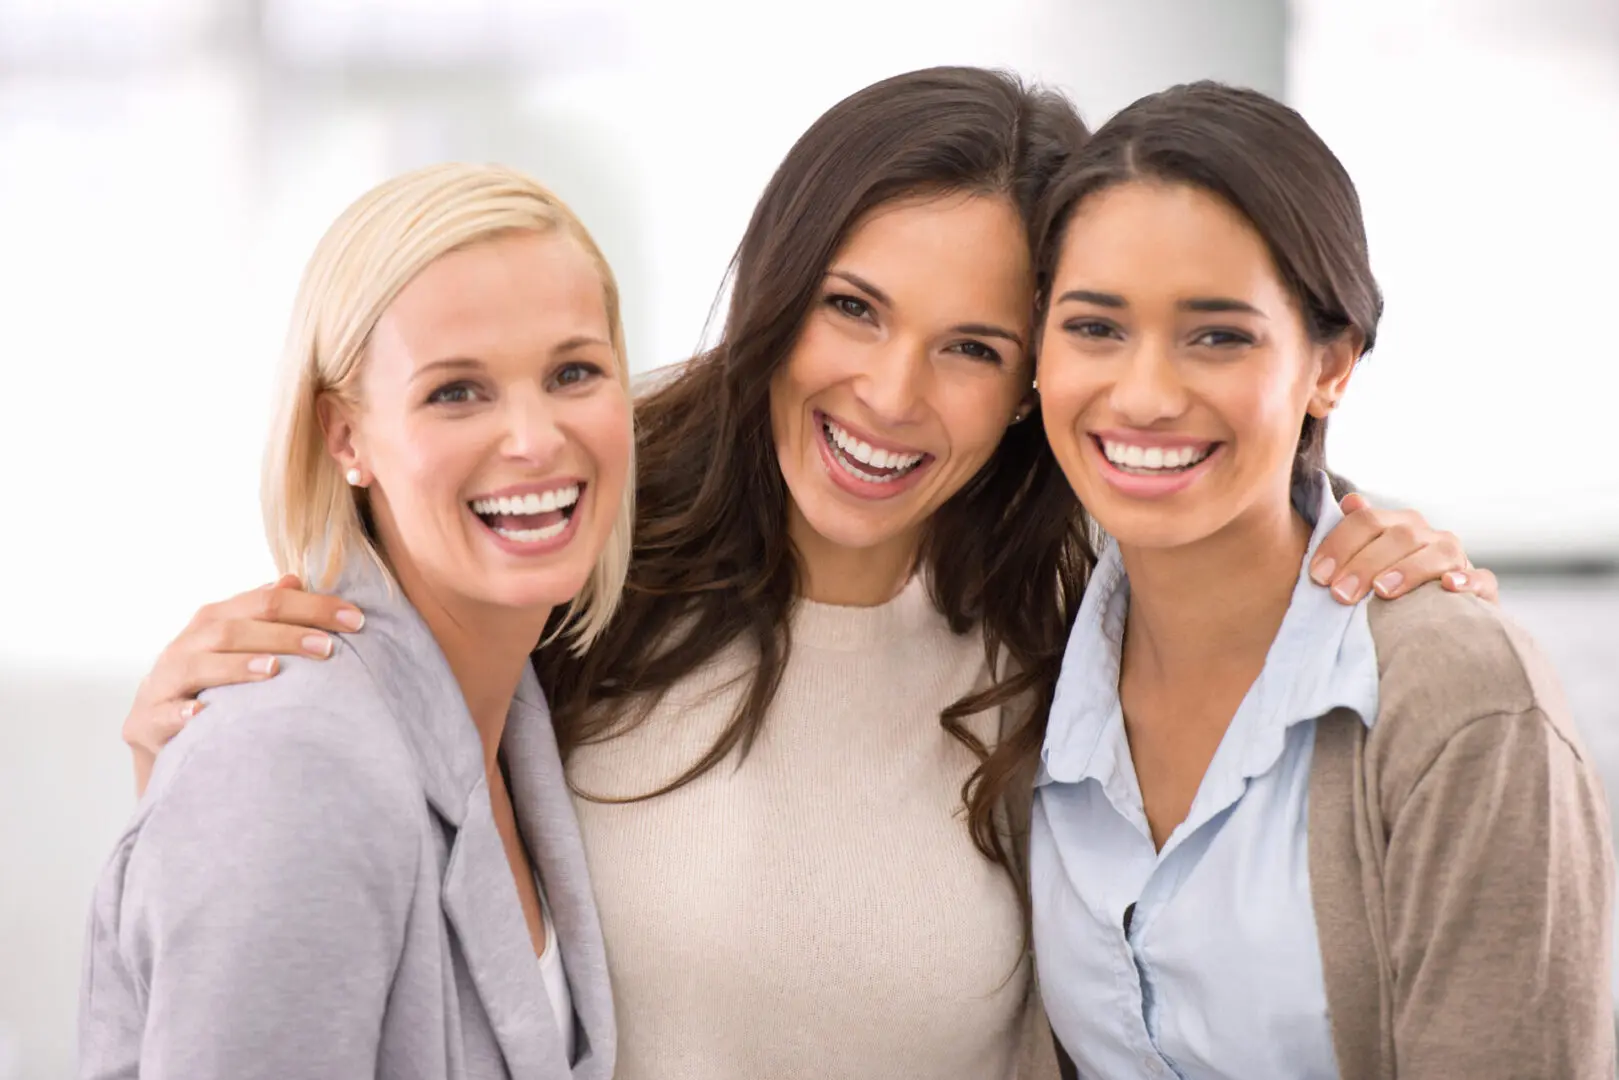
533, 536
867, 454
1154, 457
532, 503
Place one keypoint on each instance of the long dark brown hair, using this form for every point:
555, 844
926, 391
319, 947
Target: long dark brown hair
1007, 555
1265, 161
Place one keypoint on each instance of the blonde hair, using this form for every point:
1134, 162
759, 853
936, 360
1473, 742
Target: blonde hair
312, 517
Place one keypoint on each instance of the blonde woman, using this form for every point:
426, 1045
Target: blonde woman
371, 866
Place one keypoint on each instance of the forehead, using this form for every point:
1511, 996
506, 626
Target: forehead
1169, 239
516, 294
958, 256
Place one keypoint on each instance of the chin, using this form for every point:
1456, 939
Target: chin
845, 527
1156, 536
550, 588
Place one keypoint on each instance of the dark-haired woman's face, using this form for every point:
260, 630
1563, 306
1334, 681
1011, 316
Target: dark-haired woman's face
908, 370
1175, 369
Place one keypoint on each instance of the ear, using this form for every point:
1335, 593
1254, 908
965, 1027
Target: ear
1335, 365
1031, 398
337, 425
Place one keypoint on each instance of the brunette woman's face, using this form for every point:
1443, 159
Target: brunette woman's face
909, 368
1175, 367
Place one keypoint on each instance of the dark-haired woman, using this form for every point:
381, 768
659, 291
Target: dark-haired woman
843, 514
1275, 835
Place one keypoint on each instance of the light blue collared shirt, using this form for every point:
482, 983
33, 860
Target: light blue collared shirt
1220, 973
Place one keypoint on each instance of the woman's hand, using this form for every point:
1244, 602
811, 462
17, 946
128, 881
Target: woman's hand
1391, 552
234, 641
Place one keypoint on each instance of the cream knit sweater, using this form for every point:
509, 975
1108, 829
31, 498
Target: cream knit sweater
819, 911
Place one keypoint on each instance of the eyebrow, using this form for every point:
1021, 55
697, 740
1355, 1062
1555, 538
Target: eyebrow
975, 329
467, 363
1220, 303
1198, 303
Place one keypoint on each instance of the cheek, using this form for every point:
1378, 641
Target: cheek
424, 465
602, 428
976, 415
1068, 386
822, 357
1267, 404
806, 372
436, 453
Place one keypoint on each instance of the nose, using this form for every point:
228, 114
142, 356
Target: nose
1148, 386
532, 435
894, 384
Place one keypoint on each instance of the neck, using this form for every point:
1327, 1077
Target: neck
846, 576
1203, 608
486, 646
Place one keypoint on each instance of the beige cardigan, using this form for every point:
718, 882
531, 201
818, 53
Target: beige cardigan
1460, 862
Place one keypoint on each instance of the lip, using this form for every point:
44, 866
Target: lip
853, 485
1150, 487
534, 548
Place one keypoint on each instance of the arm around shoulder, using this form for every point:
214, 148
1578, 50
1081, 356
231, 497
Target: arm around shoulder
264, 898
1499, 897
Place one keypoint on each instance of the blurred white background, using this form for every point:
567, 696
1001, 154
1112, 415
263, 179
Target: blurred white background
166, 166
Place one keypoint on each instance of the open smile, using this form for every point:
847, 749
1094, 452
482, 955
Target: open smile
865, 468
1156, 468
533, 521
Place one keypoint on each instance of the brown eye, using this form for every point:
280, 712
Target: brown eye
852, 306
1222, 339
1090, 328
979, 351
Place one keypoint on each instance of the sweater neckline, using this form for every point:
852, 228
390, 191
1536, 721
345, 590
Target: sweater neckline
842, 627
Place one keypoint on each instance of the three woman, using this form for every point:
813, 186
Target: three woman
370, 866
1273, 835
855, 565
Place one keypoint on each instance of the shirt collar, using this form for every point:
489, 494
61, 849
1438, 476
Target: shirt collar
1322, 658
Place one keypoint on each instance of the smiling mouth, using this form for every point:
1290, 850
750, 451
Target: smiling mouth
1153, 460
531, 518
863, 461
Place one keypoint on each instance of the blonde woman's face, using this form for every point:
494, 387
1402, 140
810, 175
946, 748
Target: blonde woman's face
492, 427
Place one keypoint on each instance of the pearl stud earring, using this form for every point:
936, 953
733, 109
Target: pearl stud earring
353, 477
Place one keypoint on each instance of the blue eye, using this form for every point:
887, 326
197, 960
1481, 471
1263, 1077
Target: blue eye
576, 374
456, 393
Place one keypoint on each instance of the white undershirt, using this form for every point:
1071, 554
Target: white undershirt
556, 980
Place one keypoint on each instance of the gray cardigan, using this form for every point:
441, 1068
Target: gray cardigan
313, 885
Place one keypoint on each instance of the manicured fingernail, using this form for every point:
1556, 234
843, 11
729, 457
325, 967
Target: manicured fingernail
190, 709
318, 645
350, 618
1321, 571
1388, 582
1345, 589
262, 665
1456, 579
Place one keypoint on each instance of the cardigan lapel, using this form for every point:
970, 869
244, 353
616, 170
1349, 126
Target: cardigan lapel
544, 807
1346, 891
478, 895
